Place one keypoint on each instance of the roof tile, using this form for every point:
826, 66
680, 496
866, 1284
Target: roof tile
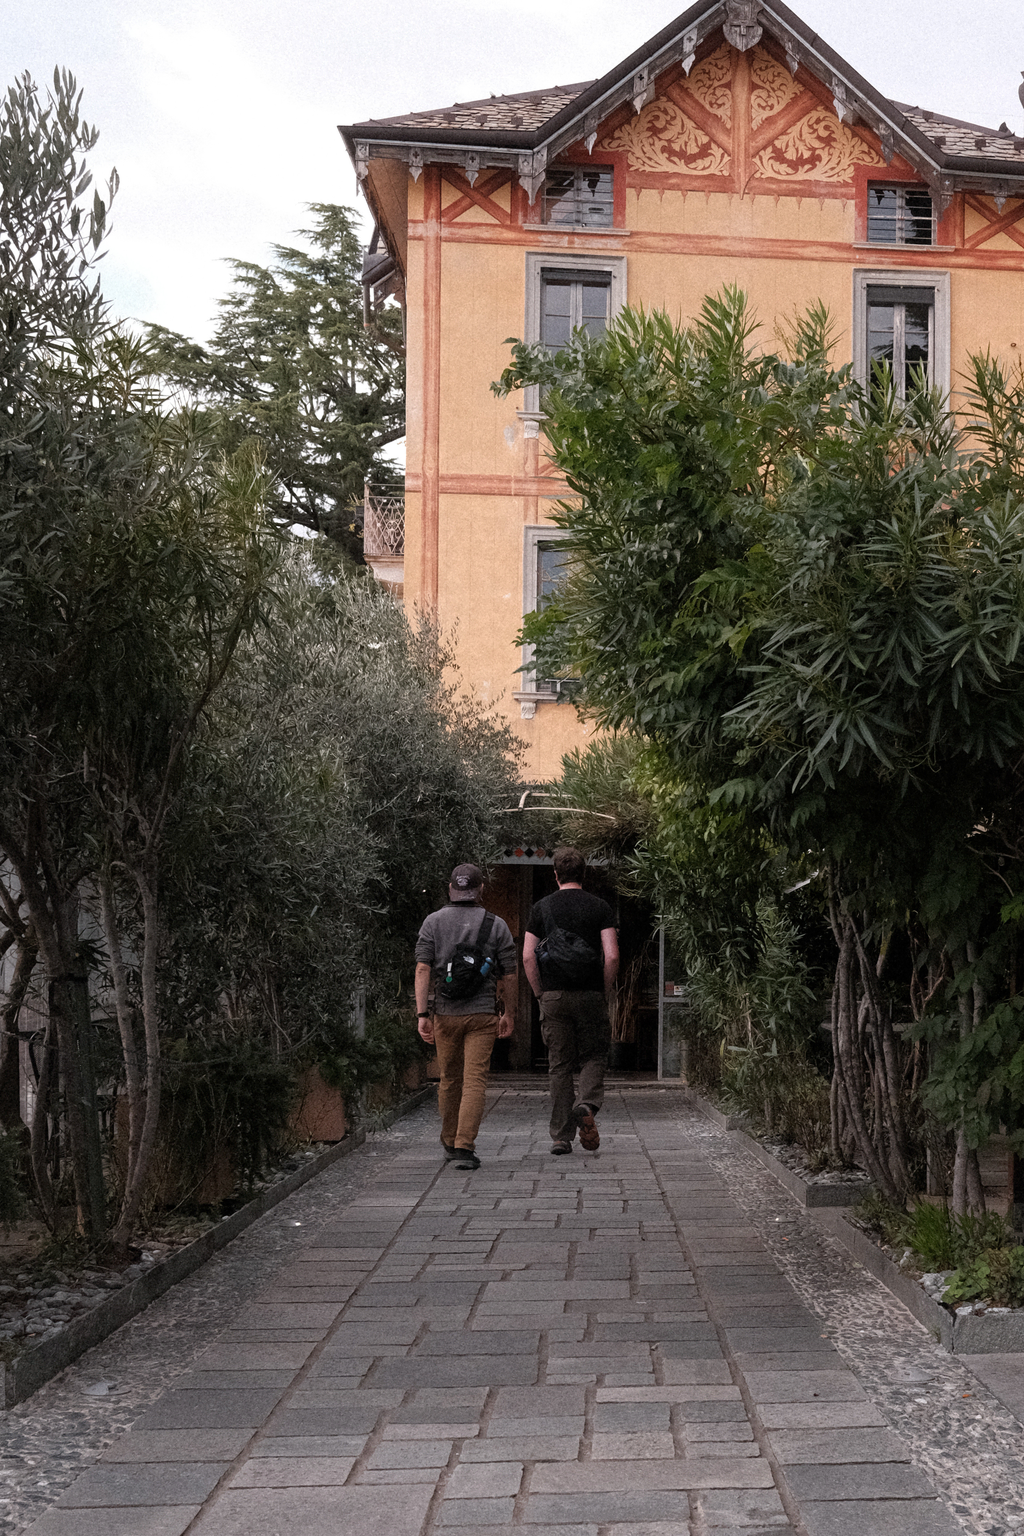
523, 111
965, 140
529, 110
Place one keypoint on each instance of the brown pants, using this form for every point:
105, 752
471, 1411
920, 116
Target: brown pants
464, 1043
577, 1034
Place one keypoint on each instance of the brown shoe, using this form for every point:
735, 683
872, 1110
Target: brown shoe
590, 1138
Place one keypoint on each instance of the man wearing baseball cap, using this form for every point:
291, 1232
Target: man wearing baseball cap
456, 939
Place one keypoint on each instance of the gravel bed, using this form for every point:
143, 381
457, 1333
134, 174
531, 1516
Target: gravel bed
38, 1299
968, 1443
46, 1441
795, 1159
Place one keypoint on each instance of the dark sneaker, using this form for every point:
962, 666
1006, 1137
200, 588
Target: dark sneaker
561, 1148
449, 1152
467, 1161
590, 1138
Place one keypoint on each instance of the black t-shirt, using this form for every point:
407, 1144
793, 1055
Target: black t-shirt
577, 912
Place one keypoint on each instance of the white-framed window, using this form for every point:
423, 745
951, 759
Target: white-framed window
900, 215
580, 196
902, 317
564, 292
545, 560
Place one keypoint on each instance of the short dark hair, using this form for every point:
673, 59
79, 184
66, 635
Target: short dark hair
570, 866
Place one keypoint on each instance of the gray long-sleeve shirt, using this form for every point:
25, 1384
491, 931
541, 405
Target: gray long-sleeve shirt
459, 923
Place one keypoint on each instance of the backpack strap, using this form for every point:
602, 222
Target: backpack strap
484, 931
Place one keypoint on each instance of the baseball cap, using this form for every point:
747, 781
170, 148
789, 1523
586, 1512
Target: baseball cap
465, 881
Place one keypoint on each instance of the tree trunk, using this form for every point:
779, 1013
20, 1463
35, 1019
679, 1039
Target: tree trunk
968, 1192
10, 1045
39, 1130
135, 1186
126, 1022
851, 1068
78, 1111
52, 907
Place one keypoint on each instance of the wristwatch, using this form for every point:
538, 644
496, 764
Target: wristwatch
424, 1015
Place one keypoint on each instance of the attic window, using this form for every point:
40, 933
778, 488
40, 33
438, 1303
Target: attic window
578, 195
900, 216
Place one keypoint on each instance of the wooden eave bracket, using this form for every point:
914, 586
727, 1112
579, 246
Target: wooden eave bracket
643, 89
531, 170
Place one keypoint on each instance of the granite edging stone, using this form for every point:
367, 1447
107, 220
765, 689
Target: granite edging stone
811, 1195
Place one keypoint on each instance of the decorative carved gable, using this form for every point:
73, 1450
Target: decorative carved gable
665, 136
791, 133
817, 148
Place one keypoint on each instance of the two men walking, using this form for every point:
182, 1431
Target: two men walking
571, 958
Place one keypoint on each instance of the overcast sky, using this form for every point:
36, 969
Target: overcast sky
221, 116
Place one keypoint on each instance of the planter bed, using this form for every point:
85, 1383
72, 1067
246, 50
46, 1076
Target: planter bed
971, 1329
813, 1190
38, 1363
719, 1117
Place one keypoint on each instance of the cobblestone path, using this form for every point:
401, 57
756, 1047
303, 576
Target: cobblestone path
649, 1341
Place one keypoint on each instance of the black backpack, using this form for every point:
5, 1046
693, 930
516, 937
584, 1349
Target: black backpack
469, 966
566, 960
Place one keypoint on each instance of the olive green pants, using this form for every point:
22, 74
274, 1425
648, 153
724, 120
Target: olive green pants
577, 1034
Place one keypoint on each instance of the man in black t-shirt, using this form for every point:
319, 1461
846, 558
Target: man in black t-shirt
571, 957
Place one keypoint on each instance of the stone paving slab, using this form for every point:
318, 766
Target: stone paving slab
116, 1522
617, 1347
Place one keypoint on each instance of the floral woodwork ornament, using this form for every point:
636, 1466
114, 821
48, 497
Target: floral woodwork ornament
663, 139
772, 87
818, 148
711, 84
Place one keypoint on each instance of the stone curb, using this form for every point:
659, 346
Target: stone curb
977, 1334
812, 1196
37, 1365
716, 1116
926, 1309
984, 1333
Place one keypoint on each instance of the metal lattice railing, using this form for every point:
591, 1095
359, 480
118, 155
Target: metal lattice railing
383, 523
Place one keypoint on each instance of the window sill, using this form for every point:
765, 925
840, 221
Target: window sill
574, 229
528, 702
875, 245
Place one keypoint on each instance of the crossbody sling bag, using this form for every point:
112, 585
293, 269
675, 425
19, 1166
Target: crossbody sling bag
469, 965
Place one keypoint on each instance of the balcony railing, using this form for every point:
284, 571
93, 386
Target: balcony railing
383, 523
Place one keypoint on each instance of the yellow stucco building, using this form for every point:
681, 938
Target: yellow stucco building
734, 147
